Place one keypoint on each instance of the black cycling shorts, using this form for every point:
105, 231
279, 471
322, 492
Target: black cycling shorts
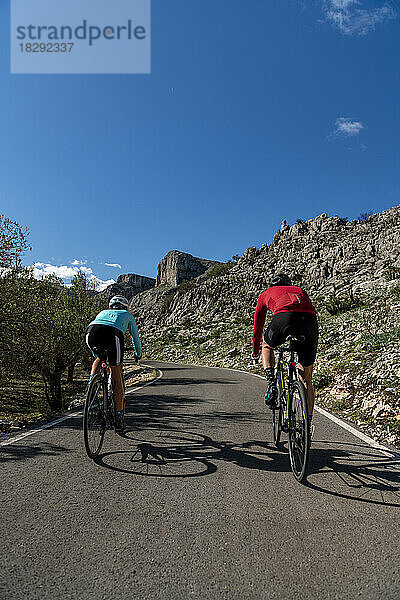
106, 337
297, 324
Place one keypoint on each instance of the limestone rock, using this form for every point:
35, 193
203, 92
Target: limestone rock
177, 266
129, 285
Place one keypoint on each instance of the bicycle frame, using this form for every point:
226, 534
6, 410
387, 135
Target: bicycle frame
105, 374
291, 371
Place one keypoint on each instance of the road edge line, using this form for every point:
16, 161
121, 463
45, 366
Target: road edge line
134, 389
69, 415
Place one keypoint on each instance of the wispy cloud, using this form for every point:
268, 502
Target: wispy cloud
66, 272
350, 18
77, 262
345, 127
115, 265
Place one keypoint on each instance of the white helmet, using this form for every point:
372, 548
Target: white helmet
118, 302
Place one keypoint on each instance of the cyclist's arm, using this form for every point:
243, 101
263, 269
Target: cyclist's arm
259, 320
133, 330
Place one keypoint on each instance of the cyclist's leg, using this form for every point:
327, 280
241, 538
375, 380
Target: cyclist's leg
118, 390
274, 335
93, 338
115, 357
307, 325
95, 366
305, 375
267, 356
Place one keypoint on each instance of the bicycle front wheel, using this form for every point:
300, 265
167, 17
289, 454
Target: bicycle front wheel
277, 425
298, 431
277, 418
94, 419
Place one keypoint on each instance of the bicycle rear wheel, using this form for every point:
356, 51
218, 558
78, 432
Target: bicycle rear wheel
298, 431
94, 419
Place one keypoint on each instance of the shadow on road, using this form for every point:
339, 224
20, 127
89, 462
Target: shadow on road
186, 454
21, 453
167, 411
196, 381
354, 471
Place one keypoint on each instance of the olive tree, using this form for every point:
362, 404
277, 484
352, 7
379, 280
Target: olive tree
45, 322
62, 315
13, 242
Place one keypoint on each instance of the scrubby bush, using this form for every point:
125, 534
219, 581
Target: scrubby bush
166, 302
338, 304
375, 341
186, 286
364, 216
391, 273
323, 378
218, 270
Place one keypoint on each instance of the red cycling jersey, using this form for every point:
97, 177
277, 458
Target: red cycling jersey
279, 299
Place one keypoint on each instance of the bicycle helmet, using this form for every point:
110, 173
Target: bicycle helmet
280, 279
119, 302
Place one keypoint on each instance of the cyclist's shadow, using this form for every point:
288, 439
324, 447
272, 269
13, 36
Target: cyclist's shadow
352, 471
186, 454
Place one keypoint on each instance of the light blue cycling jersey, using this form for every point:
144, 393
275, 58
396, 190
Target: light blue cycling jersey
122, 320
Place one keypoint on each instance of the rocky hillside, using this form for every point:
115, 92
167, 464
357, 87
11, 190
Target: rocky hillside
351, 271
128, 285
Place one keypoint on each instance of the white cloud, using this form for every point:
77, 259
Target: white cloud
116, 265
63, 271
79, 262
349, 18
100, 284
66, 272
346, 127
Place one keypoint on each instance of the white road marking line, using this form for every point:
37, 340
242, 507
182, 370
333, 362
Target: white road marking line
70, 415
362, 436
135, 389
359, 434
33, 431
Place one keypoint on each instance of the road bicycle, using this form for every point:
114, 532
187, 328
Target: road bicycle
99, 411
290, 412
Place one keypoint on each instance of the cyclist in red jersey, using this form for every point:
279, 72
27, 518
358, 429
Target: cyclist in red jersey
293, 314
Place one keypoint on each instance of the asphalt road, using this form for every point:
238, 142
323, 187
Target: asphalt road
195, 502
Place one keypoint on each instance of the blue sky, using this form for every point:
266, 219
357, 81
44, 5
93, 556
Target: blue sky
254, 112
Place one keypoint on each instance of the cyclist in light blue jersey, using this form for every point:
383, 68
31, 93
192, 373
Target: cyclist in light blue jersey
106, 332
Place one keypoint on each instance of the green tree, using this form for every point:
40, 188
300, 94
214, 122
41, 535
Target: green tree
63, 315
45, 322
16, 286
13, 242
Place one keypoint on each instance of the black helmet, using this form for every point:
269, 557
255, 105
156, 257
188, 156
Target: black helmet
280, 279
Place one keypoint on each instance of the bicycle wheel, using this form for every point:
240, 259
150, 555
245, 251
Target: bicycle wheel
94, 421
277, 412
298, 431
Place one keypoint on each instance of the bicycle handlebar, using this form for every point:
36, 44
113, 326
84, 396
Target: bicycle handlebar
135, 356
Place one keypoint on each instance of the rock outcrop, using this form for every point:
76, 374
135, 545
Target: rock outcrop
177, 266
129, 285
